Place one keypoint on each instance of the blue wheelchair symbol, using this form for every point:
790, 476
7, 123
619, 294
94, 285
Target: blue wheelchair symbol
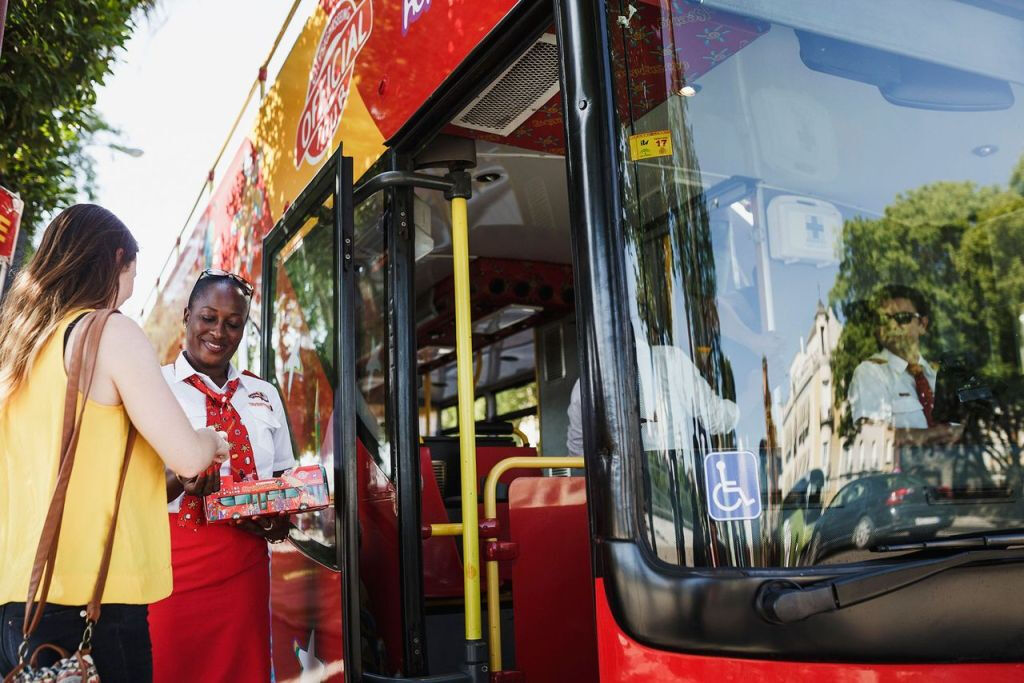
733, 486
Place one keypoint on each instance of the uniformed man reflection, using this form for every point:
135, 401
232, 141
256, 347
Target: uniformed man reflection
896, 385
672, 394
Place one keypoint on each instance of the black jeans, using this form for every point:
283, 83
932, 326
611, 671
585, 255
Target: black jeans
120, 640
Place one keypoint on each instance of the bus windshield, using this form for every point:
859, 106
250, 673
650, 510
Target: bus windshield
823, 228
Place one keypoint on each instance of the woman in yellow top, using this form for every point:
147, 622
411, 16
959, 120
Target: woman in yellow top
86, 261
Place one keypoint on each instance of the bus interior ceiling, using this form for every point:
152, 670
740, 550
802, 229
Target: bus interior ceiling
521, 275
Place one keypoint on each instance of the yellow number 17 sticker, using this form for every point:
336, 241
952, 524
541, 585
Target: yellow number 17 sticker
657, 143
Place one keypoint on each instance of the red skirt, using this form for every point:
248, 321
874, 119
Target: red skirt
215, 626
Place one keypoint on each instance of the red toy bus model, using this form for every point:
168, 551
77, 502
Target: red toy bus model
300, 489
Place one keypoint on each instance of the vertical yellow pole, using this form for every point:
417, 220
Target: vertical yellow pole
467, 424
493, 613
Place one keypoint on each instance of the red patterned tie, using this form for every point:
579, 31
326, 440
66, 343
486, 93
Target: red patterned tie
223, 417
924, 391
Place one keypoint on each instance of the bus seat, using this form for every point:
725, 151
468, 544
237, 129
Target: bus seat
552, 602
446, 450
442, 567
445, 462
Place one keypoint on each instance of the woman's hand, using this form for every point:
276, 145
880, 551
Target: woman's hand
202, 485
207, 481
221, 446
274, 529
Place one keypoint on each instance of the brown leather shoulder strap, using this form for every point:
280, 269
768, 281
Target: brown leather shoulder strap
92, 610
83, 367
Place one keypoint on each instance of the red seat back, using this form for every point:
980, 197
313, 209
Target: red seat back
552, 581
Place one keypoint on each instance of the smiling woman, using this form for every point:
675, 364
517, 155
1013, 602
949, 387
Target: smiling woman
219, 609
214, 319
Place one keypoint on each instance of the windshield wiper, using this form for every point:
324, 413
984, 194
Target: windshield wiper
784, 602
975, 540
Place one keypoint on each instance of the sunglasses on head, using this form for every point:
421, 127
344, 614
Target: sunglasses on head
237, 279
903, 317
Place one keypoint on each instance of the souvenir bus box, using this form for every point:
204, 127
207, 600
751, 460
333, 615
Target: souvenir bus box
300, 489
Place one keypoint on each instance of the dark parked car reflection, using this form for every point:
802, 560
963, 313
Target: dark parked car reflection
801, 508
877, 509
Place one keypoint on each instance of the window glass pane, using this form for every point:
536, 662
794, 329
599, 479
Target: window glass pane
450, 415
371, 331
516, 398
824, 227
302, 347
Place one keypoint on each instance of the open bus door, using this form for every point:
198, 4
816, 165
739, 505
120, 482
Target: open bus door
307, 267
327, 265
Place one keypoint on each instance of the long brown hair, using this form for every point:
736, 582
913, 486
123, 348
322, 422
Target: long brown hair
77, 266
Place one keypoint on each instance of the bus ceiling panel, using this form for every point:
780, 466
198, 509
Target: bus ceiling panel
519, 209
514, 35
913, 28
508, 295
499, 242
542, 131
525, 88
521, 106
713, 612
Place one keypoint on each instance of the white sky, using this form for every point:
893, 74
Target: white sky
174, 94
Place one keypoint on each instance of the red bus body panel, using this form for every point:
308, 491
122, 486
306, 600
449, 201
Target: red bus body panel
552, 604
305, 606
399, 71
624, 660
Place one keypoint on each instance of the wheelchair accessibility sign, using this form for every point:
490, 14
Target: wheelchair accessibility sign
733, 486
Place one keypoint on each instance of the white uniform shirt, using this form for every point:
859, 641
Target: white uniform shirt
672, 393
882, 390
574, 435
258, 404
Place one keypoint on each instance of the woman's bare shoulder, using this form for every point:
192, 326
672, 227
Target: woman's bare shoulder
119, 325
125, 338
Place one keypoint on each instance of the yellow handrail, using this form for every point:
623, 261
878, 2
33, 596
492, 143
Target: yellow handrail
467, 423
453, 529
491, 512
522, 437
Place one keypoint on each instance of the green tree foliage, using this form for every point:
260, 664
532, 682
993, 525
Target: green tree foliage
55, 54
959, 245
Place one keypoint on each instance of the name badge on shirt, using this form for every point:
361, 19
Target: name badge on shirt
261, 400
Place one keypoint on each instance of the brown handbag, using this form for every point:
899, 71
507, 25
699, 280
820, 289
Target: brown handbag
77, 666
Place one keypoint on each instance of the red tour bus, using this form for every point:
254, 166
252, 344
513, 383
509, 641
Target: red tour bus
683, 340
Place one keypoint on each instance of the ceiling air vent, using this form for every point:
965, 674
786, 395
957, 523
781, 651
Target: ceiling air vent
518, 92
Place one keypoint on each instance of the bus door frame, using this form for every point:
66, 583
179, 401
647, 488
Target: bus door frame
520, 28
403, 411
335, 177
